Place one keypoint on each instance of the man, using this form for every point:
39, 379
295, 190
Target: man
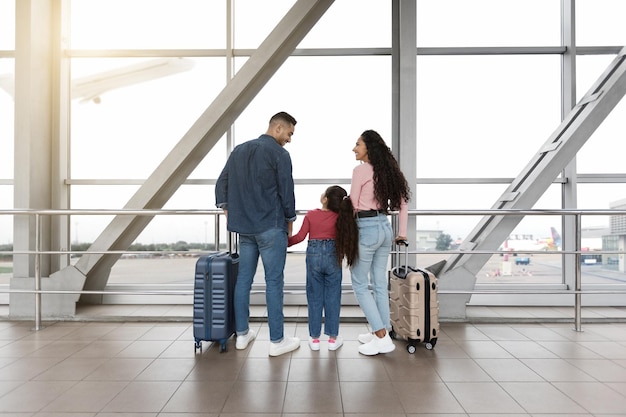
256, 192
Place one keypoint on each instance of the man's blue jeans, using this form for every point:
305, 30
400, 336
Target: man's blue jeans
271, 245
375, 238
323, 287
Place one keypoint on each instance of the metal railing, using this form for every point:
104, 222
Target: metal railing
38, 252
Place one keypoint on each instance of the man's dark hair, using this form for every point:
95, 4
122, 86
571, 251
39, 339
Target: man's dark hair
283, 117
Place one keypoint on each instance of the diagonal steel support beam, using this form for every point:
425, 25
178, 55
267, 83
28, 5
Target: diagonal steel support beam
560, 148
199, 140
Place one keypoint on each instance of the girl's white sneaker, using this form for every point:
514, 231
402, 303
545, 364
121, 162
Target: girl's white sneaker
314, 344
336, 343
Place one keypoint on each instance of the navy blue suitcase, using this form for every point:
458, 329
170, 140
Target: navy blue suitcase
214, 288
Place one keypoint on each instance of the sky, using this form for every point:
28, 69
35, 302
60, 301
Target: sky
477, 116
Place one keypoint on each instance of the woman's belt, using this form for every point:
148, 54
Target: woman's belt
369, 213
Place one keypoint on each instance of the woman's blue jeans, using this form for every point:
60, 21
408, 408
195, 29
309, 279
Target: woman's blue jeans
375, 238
323, 287
271, 245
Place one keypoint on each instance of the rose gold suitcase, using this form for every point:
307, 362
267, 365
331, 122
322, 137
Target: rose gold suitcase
414, 306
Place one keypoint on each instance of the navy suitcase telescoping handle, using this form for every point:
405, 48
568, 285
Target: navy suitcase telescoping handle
233, 243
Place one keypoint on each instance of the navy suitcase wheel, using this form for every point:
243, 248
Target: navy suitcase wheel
214, 287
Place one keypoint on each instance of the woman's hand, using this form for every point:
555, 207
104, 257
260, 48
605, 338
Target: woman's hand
401, 240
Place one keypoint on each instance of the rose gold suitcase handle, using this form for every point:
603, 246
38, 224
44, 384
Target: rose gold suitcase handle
404, 268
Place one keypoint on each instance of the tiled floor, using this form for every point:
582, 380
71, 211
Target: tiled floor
149, 368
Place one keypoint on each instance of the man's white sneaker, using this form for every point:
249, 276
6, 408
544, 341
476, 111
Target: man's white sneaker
284, 346
243, 340
334, 344
366, 337
377, 345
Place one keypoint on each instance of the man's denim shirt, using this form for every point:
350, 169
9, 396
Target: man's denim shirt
256, 187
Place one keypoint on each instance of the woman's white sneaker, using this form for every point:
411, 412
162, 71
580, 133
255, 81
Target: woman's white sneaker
377, 345
366, 337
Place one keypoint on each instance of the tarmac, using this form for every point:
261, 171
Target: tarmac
177, 273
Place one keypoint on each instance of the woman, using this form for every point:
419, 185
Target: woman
377, 187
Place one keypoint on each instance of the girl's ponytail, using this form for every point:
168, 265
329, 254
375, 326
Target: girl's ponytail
347, 238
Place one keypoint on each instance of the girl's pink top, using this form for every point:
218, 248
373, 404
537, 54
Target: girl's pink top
318, 224
362, 195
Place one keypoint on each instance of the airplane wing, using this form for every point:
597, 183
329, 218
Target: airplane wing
90, 88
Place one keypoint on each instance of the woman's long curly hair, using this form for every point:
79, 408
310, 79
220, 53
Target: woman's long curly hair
347, 231
390, 185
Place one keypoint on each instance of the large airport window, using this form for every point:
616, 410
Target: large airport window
6, 202
598, 154
468, 104
6, 221
179, 239
308, 195
94, 197
601, 153
600, 22
255, 14
333, 104
589, 69
476, 197
123, 127
602, 234
7, 109
352, 24
166, 228
346, 24
148, 24
212, 163
479, 118
484, 23
599, 197
535, 233
7, 24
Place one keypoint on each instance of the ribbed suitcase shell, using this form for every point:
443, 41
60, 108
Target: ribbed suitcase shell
214, 287
414, 306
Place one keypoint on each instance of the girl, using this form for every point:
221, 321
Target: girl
333, 236
377, 186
